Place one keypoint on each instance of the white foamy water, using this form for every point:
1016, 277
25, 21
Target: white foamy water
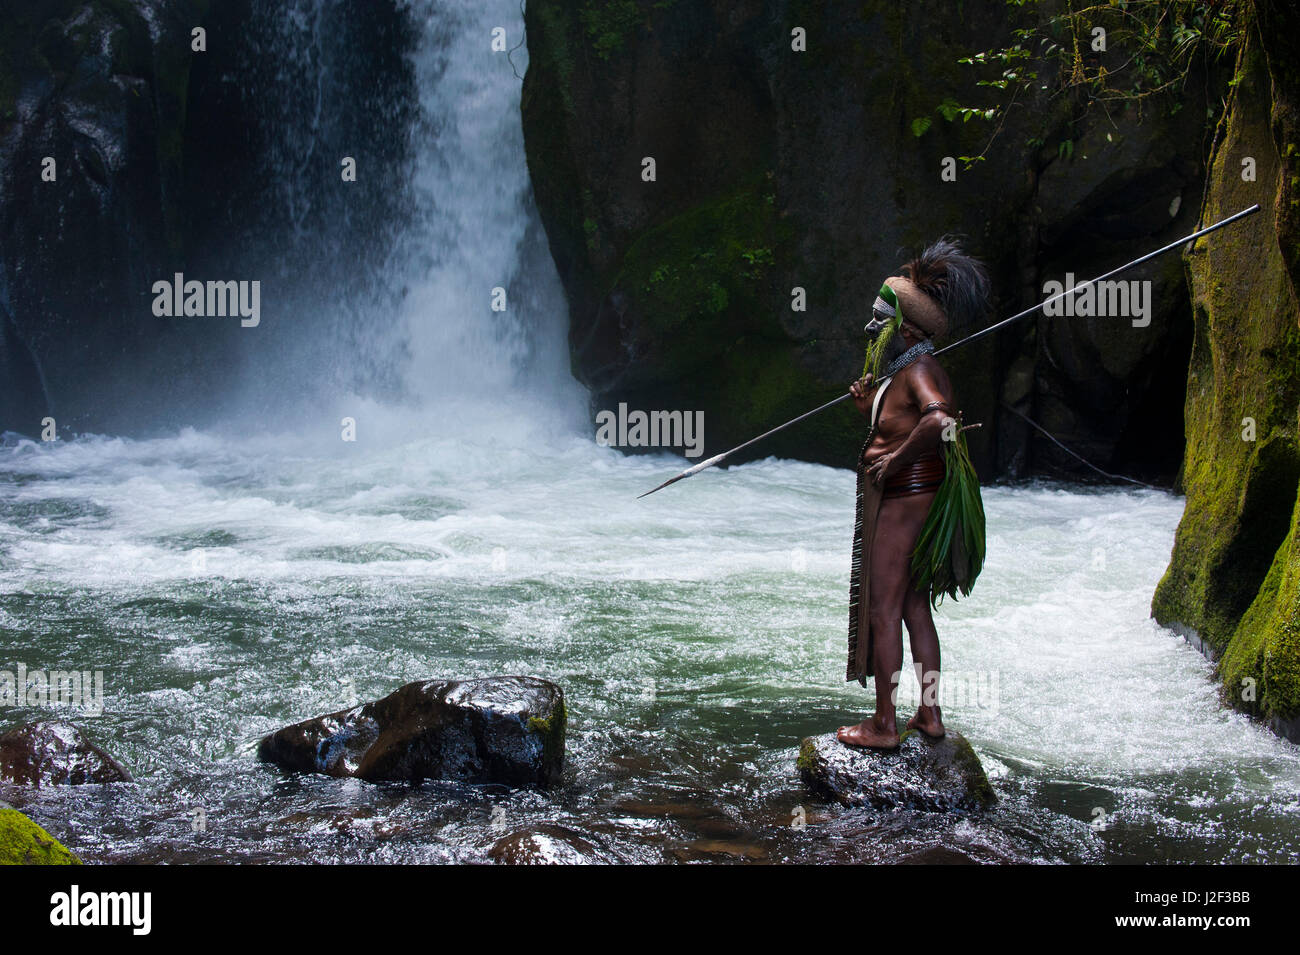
720, 603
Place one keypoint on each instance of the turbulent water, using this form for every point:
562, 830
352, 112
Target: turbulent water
231, 581
229, 587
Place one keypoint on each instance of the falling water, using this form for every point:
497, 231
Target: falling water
430, 301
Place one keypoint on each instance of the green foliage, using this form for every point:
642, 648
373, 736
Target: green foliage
700, 275
1151, 46
877, 347
608, 23
920, 125
949, 552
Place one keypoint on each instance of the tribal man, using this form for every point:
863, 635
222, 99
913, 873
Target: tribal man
908, 399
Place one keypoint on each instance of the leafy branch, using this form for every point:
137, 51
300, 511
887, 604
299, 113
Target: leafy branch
1102, 55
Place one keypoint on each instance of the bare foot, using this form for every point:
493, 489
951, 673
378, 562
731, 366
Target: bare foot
869, 733
928, 721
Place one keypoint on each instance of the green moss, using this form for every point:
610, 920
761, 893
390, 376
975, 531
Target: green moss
1260, 669
697, 280
1233, 575
608, 24
552, 731
807, 760
549, 50
22, 842
972, 770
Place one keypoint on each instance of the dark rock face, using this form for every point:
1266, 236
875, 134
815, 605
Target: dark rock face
99, 89
166, 162
777, 169
22, 393
507, 730
925, 774
55, 753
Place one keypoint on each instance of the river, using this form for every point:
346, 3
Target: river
227, 587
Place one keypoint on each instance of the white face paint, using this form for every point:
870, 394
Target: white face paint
879, 321
882, 313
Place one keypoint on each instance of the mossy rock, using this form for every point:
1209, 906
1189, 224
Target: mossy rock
931, 775
1260, 669
23, 842
1233, 582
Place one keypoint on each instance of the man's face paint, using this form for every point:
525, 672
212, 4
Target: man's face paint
877, 323
883, 312
886, 344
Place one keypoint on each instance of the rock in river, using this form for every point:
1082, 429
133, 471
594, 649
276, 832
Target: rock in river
507, 729
23, 842
546, 845
51, 752
934, 775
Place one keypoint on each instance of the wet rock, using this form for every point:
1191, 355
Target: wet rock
925, 774
507, 730
101, 88
51, 752
715, 850
781, 193
162, 154
546, 845
23, 842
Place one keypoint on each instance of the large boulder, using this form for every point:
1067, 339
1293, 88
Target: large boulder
507, 729
931, 775
1233, 583
22, 842
779, 170
51, 752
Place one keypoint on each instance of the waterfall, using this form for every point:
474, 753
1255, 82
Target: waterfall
388, 284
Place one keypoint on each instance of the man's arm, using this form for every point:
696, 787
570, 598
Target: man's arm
861, 392
928, 433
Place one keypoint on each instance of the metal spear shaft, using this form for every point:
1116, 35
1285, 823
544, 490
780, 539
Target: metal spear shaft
719, 458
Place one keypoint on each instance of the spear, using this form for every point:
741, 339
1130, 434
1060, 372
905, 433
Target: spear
719, 458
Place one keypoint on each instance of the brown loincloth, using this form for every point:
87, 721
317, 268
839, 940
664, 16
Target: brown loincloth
923, 476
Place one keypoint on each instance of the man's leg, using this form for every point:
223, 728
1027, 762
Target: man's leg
891, 555
925, 656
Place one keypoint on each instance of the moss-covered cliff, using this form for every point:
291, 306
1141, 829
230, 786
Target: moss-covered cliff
1234, 577
820, 170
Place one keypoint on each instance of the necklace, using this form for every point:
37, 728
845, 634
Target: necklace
909, 356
